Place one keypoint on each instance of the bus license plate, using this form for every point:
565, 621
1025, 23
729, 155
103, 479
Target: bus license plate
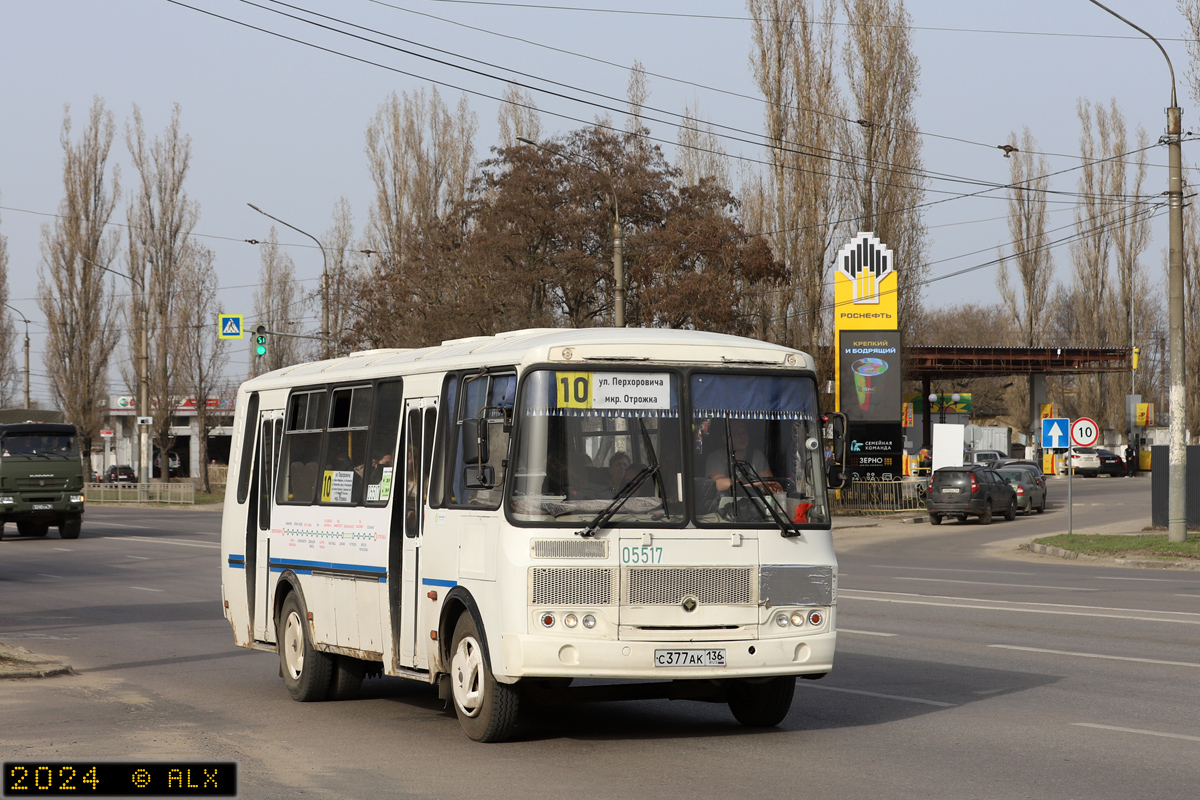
41, 506
690, 658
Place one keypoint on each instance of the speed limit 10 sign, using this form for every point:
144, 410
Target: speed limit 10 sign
1085, 432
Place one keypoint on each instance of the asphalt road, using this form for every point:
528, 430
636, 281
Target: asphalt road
965, 668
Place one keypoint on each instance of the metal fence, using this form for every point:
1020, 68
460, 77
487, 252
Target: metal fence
879, 498
177, 493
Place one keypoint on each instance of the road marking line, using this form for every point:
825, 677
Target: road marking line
1017, 602
139, 558
1137, 730
1148, 580
1187, 595
865, 633
1010, 585
44, 575
1096, 655
144, 589
63, 549
958, 604
937, 703
164, 541
949, 569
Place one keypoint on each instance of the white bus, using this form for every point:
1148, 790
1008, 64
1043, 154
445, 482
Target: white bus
499, 515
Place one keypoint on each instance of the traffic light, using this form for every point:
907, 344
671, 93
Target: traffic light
260, 340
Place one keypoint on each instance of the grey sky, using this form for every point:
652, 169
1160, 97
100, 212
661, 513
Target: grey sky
282, 125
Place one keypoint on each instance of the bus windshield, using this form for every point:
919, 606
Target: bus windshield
37, 444
586, 436
757, 455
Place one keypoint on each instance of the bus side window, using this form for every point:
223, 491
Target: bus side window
412, 473
301, 455
487, 400
385, 425
346, 445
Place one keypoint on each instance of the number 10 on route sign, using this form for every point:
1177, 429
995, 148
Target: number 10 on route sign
1085, 432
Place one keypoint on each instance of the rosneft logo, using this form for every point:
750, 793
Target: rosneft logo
866, 262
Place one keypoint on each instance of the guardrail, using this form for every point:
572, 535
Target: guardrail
174, 493
879, 498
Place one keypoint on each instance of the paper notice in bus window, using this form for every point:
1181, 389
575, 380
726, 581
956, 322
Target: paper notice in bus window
615, 390
337, 486
385, 484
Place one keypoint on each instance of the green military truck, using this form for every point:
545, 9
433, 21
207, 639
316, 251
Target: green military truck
41, 478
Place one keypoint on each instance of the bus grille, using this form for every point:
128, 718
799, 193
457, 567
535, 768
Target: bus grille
668, 586
571, 587
568, 548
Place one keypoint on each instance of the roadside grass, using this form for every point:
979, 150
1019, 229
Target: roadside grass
1153, 544
209, 498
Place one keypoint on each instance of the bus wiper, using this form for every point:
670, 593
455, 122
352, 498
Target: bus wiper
658, 480
627, 490
753, 482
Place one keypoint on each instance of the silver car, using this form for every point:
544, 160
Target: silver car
1084, 460
1031, 496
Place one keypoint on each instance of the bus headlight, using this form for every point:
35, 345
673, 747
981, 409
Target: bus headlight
589, 621
570, 620
798, 618
781, 620
76, 498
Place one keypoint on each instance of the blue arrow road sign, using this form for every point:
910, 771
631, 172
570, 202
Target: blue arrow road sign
1056, 433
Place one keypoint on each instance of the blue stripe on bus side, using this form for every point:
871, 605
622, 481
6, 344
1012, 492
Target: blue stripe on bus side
438, 582
236, 561
326, 565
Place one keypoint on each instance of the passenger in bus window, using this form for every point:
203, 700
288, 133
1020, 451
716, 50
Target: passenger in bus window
716, 465
618, 465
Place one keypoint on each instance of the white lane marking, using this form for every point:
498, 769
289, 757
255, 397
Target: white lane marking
1148, 580
865, 633
957, 602
938, 703
44, 575
1187, 595
950, 569
63, 549
144, 589
1096, 655
164, 541
1010, 585
1137, 730
139, 558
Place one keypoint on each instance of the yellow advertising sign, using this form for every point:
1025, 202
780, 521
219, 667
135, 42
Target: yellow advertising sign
1047, 411
865, 287
1145, 415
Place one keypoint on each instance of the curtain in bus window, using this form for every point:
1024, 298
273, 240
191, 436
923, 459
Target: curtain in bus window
301, 454
346, 445
385, 427
412, 473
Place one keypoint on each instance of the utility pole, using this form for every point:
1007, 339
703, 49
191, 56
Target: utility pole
326, 347
23, 319
1177, 485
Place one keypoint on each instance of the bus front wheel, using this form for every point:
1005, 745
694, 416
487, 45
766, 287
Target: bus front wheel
761, 702
486, 709
307, 672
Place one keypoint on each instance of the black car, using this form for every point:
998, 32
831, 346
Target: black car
120, 474
1031, 467
970, 490
1110, 463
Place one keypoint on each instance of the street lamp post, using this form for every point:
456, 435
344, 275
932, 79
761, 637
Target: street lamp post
326, 351
618, 267
23, 319
936, 399
1177, 486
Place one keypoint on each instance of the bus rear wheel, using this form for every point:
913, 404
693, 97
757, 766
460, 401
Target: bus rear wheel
761, 702
487, 710
307, 672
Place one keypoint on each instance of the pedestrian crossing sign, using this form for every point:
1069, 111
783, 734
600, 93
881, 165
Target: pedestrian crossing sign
229, 326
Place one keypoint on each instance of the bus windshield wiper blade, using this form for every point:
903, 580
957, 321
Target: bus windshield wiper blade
653, 454
753, 482
627, 490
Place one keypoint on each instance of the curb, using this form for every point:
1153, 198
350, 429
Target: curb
1140, 563
17, 662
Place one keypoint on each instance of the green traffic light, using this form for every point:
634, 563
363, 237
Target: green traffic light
261, 345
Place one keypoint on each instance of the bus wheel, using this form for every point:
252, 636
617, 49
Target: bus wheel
307, 672
347, 677
761, 703
70, 526
33, 528
487, 710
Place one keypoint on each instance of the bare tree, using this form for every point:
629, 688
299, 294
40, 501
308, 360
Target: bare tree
885, 183
279, 304
72, 295
1029, 250
700, 154
345, 263
518, 117
9, 376
161, 218
202, 359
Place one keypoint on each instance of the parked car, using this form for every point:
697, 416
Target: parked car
1085, 461
985, 456
120, 474
173, 464
969, 490
1110, 462
1033, 467
1030, 496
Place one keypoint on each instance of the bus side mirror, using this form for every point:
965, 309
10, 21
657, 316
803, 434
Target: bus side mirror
482, 476
835, 465
475, 441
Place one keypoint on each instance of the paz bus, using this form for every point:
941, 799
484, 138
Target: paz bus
500, 516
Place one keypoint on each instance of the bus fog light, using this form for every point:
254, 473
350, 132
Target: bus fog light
589, 621
815, 618
570, 620
798, 618
547, 620
781, 620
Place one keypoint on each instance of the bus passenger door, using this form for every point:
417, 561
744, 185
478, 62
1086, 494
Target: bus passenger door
266, 464
419, 417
